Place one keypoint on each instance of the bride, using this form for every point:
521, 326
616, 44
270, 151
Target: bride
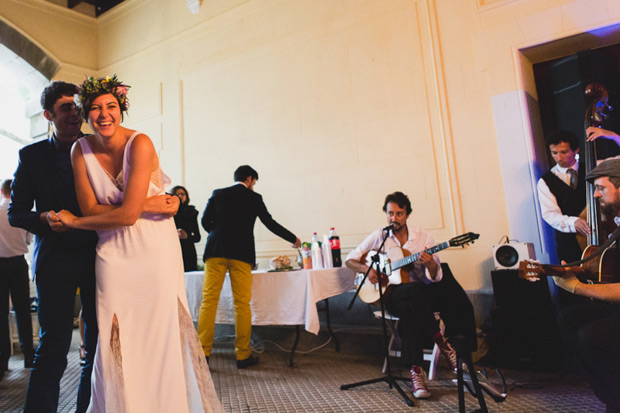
148, 356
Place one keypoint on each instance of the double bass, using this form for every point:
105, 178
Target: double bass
596, 113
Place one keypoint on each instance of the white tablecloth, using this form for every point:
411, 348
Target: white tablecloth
278, 298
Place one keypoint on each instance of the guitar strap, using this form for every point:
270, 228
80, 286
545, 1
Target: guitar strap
613, 237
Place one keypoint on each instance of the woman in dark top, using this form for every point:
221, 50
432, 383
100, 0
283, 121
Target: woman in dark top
186, 221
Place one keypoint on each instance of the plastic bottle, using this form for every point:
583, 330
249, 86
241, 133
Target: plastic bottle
327, 253
306, 254
334, 241
317, 255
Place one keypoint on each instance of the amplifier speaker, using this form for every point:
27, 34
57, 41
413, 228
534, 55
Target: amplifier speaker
507, 256
510, 291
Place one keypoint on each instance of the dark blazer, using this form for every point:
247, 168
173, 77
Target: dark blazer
456, 309
36, 182
229, 219
187, 220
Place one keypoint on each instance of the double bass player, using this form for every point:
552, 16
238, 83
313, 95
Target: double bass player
562, 197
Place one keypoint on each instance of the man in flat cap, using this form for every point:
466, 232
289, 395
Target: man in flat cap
591, 331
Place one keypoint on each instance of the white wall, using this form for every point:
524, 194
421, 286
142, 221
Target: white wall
339, 102
334, 103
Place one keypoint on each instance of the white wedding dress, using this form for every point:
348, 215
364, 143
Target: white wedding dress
148, 355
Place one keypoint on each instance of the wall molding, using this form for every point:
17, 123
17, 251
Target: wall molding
440, 112
486, 5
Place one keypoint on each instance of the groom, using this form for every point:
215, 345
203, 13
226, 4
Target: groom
63, 259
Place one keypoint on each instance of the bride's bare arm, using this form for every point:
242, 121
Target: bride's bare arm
84, 191
142, 161
157, 204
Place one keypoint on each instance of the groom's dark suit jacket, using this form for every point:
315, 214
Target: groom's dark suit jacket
63, 261
38, 182
229, 219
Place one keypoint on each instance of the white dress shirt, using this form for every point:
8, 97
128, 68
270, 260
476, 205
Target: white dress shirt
417, 241
13, 241
551, 212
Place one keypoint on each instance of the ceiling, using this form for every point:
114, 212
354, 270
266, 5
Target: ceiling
100, 6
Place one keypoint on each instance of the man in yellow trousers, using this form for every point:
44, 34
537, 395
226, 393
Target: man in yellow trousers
229, 219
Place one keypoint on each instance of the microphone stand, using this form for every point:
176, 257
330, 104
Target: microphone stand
375, 262
388, 378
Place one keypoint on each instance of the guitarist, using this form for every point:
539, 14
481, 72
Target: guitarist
591, 331
413, 302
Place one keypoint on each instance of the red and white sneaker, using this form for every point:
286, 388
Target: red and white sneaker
447, 351
418, 383
449, 354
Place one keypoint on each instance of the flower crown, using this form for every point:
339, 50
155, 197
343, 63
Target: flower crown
92, 86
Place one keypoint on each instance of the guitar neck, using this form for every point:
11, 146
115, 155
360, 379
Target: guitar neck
556, 270
414, 257
527, 270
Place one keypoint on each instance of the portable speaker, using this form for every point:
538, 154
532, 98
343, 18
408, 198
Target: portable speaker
507, 256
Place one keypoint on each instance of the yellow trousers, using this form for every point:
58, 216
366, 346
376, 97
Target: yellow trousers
241, 282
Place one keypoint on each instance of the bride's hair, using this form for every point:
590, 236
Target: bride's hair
92, 88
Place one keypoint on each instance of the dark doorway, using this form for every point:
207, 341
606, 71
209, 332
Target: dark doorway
561, 84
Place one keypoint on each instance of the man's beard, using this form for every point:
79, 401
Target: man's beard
611, 210
397, 227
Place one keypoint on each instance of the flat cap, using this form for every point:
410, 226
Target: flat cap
609, 167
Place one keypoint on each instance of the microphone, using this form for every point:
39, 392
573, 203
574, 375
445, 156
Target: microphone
389, 228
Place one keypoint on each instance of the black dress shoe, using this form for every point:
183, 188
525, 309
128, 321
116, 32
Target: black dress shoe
249, 362
3, 368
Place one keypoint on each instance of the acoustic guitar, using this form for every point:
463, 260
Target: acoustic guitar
600, 269
397, 262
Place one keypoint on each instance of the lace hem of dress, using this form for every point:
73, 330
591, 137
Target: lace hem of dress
194, 356
115, 386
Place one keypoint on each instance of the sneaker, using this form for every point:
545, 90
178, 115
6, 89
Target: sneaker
418, 383
449, 354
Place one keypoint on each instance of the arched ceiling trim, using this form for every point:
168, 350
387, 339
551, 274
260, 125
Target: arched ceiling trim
28, 50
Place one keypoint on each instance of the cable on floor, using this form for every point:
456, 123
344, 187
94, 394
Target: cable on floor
259, 347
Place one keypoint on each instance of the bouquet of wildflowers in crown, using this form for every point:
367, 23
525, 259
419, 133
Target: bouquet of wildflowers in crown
109, 84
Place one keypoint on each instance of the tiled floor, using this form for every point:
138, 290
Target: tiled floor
313, 385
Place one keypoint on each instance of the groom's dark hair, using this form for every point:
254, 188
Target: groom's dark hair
55, 91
